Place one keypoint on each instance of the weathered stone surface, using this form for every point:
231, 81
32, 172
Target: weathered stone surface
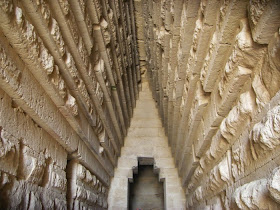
264, 19
265, 134
259, 194
70, 75
273, 184
142, 144
67, 89
87, 191
229, 48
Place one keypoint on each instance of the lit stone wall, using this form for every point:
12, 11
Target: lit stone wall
69, 75
214, 68
69, 80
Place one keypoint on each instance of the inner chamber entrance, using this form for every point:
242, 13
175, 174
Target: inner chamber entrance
146, 191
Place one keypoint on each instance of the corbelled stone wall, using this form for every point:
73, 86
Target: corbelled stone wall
214, 68
69, 75
69, 80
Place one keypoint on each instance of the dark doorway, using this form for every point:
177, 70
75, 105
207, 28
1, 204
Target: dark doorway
146, 192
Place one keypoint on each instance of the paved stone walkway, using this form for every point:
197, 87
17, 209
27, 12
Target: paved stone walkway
146, 139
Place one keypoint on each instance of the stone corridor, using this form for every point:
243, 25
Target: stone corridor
146, 139
90, 90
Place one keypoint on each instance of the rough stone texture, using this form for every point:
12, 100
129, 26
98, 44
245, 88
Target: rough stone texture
68, 84
146, 140
259, 194
213, 67
87, 191
274, 184
70, 75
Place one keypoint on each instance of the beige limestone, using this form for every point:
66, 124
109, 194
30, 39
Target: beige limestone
219, 101
70, 75
68, 85
146, 139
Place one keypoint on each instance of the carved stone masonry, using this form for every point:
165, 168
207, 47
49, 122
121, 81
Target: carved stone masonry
265, 135
86, 189
260, 194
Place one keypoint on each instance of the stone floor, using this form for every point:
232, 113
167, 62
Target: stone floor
146, 138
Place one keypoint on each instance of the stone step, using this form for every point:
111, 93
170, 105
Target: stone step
147, 123
146, 139
144, 132
153, 141
145, 104
146, 113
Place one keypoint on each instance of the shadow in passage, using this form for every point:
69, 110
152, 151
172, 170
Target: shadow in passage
146, 192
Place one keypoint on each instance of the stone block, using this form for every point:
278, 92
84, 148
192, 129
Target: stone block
254, 194
127, 162
231, 91
145, 113
143, 150
163, 152
216, 63
231, 14
204, 141
269, 71
264, 20
143, 132
9, 153
165, 163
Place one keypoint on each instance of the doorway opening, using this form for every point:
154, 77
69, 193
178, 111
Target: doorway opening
145, 190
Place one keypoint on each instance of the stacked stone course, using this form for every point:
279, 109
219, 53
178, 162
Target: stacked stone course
70, 75
213, 68
68, 84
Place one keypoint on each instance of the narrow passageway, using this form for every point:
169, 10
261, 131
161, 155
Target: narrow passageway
77, 114
146, 191
146, 139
